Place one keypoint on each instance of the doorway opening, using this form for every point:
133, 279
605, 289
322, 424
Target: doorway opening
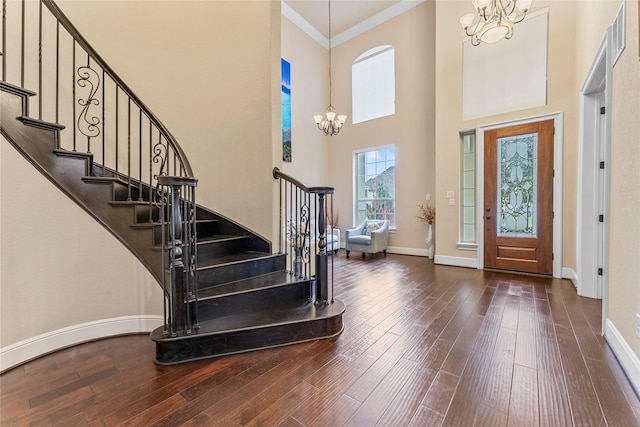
556, 209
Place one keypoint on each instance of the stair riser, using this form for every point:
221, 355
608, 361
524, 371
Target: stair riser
206, 346
217, 249
239, 271
249, 302
203, 228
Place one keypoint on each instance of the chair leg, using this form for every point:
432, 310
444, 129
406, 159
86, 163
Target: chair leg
363, 255
348, 254
385, 253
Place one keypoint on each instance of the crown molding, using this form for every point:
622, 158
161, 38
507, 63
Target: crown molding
389, 13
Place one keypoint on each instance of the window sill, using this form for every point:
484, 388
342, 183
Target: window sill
467, 246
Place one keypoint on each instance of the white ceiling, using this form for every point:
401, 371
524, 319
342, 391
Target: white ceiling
348, 17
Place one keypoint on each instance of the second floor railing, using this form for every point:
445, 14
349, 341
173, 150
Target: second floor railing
303, 233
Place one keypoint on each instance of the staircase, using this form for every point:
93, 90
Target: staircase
243, 297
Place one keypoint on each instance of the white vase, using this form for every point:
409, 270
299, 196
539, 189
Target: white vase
430, 241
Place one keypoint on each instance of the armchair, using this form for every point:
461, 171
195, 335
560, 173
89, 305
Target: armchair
371, 236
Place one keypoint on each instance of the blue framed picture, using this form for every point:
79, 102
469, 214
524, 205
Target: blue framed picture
286, 110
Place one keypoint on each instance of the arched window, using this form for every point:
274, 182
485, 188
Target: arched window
373, 81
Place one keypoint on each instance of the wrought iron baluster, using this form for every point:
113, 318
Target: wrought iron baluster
140, 155
129, 149
4, 40
88, 125
73, 82
40, 60
57, 71
104, 107
22, 44
117, 122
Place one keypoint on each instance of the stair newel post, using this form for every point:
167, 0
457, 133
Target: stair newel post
322, 266
179, 195
190, 255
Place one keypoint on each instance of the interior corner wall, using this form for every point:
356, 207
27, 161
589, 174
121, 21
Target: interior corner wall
410, 129
58, 266
561, 97
624, 249
205, 69
309, 96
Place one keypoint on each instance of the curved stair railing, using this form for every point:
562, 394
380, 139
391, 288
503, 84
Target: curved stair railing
303, 233
95, 113
75, 87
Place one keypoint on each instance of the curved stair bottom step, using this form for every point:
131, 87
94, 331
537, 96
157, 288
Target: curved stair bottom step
303, 322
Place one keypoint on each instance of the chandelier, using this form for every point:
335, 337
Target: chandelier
331, 123
494, 19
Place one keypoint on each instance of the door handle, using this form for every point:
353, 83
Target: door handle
488, 217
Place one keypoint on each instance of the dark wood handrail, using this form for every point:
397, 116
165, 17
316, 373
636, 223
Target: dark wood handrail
64, 21
277, 174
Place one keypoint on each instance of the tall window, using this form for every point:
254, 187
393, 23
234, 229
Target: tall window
373, 82
375, 177
468, 190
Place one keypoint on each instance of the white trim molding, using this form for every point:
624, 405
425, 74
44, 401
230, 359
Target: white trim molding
23, 351
569, 273
389, 13
627, 358
407, 251
456, 261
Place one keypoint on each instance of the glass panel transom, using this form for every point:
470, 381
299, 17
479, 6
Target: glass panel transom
517, 185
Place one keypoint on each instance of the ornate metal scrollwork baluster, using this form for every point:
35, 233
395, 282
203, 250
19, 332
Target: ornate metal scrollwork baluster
88, 124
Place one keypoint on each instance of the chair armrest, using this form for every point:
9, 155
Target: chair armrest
380, 237
354, 231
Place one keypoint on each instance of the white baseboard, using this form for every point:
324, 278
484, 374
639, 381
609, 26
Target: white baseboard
569, 273
456, 261
627, 358
407, 251
31, 348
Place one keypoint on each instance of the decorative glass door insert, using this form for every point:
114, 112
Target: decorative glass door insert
517, 183
518, 197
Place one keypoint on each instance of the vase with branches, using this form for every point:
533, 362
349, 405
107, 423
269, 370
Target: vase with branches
427, 213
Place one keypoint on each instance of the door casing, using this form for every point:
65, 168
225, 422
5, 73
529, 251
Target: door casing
558, 119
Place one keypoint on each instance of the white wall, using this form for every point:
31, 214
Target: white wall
59, 267
411, 129
309, 96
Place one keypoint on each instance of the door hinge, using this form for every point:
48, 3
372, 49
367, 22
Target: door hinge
601, 165
553, 256
600, 218
554, 173
553, 215
602, 110
600, 272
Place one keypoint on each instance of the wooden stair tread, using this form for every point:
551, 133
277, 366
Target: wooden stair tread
233, 259
219, 238
264, 281
286, 314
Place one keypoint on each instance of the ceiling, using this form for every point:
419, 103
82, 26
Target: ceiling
346, 14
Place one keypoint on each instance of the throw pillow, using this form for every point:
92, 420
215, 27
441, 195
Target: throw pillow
372, 226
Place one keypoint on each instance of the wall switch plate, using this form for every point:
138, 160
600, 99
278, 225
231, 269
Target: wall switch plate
638, 325
428, 197
451, 194
452, 202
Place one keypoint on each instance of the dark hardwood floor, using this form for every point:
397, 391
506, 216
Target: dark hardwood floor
423, 345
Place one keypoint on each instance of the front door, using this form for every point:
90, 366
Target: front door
518, 198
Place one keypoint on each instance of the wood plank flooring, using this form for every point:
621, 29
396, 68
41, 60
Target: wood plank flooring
423, 345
